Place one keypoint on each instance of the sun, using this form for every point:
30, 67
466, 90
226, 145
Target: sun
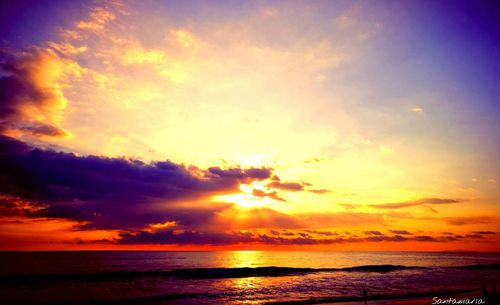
246, 198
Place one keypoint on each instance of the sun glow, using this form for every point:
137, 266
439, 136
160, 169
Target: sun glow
244, 200
248, 198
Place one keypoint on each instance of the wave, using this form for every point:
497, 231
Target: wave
482, 267
378, 268
402, 296
211, 273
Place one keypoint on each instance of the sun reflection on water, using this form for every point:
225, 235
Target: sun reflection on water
249, 258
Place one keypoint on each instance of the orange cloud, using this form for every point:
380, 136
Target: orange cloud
32, 99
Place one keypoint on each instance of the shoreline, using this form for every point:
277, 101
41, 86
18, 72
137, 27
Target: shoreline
422, 299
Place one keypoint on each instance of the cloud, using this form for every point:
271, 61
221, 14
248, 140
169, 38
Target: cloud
293, 186
474, 236
423, 201
260, 193
221, 238
98, 18
461, 221
111, 192
287, 186
319, 191
218, 238
185, 238
454, 221
373, 233
31, 97
424, 238
397, 238
484, 232
241, 174
400, 232
15, 206
325, 233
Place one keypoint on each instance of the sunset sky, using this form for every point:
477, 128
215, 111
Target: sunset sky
250, 125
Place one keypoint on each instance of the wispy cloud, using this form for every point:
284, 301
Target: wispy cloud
423, 201
461, 221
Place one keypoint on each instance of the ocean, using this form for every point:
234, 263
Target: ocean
238, 277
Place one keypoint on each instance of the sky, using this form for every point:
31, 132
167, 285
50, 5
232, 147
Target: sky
250, 125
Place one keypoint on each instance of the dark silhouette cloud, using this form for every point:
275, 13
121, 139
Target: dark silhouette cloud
474, 236
241, 174
218, 238
109, 192
185, 238
423, 201
484, 232
373, 233
325, 233
277, 184
386, 238
424, 238
400, 232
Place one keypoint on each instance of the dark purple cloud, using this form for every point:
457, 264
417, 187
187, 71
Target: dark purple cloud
241, 174
220, 238
185, 238
217, 238
110, 192
287, 186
